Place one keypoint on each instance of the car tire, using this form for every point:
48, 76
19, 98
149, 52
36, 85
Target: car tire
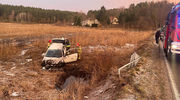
43, 64
47, 67
60, 64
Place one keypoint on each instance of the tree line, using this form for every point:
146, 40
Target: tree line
9, 13
145, 15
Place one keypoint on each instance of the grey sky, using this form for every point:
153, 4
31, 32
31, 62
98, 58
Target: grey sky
73, 5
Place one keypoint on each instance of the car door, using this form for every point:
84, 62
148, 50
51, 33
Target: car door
71, 58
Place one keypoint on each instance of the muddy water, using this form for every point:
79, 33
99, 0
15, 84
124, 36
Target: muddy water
70, 81
71, 76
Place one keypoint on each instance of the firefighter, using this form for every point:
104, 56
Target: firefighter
49, 43
157, 35
162, 33
68, 45
68, 49
79, 50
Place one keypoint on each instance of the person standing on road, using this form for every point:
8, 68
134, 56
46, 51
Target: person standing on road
157, 36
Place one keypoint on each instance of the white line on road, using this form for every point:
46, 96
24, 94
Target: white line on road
173, 84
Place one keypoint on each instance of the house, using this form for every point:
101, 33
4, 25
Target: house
90, 23
114, 20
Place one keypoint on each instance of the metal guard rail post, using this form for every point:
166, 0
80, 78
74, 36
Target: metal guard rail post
127, 65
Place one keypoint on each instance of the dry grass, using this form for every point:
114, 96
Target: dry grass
7, 50
93, 67
86, 36
74, 92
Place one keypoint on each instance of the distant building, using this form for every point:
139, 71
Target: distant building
114, 20
91, 23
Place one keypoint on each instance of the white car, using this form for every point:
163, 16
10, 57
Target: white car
56, 56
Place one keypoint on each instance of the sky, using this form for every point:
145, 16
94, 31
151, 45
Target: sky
74, 5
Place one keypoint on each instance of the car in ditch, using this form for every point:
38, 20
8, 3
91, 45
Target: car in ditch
56, 56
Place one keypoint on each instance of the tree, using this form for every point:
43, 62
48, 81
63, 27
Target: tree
77, 20
11, 16
102, 16
11, 13
145, 15
92, 14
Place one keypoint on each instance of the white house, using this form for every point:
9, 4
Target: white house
90, 22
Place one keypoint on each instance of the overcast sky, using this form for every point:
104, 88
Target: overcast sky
73, 5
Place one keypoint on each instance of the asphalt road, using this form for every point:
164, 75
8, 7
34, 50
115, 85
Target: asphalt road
173, 68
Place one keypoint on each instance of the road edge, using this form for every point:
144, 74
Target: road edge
170, 75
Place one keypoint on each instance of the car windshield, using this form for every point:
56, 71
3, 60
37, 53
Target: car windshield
178, 19
58, 41
54, 53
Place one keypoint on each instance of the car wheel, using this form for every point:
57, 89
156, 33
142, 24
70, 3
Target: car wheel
43, 64
47, 67
61, 64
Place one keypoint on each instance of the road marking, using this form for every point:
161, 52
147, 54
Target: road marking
173, 84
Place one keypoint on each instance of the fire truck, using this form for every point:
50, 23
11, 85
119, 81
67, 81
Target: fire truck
171, 43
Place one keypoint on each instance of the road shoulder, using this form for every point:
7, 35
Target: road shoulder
149, 80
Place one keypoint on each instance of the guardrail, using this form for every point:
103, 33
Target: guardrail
133, 62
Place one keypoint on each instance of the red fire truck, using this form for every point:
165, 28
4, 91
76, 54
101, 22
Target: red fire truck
172, 34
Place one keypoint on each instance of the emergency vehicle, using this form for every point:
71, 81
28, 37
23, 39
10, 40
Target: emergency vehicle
172, 35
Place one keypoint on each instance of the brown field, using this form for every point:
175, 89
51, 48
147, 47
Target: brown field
86, 36
104, 50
